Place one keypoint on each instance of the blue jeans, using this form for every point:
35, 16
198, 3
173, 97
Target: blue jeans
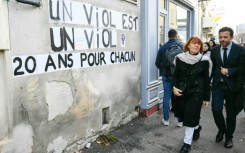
167, 88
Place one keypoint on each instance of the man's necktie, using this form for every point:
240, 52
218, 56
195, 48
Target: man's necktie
225, 56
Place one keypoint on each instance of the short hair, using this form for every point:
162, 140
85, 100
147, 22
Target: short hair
172, 33
193, 39
227, 29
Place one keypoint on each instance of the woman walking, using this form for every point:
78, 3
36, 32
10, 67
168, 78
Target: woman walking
191, 85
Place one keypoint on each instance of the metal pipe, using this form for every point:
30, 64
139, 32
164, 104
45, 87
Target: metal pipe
34, 3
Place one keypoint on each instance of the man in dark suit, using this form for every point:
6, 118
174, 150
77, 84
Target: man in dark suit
225, 58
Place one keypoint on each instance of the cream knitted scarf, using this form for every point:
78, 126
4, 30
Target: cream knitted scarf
193, 59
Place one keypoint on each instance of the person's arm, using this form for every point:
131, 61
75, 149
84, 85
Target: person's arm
206, 80
175, 77
214, 63
176, 72
241, 72
158, 61
240, 86
234, 70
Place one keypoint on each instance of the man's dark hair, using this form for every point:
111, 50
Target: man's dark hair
227, 29
172, 33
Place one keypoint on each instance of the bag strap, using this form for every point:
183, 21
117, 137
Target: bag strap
176, 44
200, 58
179, 42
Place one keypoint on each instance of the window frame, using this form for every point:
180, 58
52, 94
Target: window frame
132, 1
162, 13
189, 17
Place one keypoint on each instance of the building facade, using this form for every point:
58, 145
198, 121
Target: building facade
240, 33
180, 15
72, 69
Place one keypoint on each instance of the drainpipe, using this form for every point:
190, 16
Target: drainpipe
34, 3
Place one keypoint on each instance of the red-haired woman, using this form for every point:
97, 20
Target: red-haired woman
191, 86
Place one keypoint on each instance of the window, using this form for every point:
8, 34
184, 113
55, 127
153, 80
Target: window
162, 30
178, 19
162, 4
162, 21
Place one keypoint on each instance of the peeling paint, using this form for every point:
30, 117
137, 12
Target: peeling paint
59, 98
57, 146
22, 140
88, 96
84, 106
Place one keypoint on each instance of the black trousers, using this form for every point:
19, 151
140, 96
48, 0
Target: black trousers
219, 94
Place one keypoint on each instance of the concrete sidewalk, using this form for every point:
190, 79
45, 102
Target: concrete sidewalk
149, 135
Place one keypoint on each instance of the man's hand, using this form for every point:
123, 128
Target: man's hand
224, 71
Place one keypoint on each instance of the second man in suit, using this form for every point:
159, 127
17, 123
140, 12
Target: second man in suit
225, 58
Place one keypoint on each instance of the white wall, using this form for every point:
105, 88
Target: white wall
61, 104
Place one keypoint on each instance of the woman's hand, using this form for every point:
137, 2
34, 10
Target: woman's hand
205, 104
177, 92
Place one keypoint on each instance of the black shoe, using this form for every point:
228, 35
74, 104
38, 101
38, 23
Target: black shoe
196, 134
219, 136
228, 143
185, 148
